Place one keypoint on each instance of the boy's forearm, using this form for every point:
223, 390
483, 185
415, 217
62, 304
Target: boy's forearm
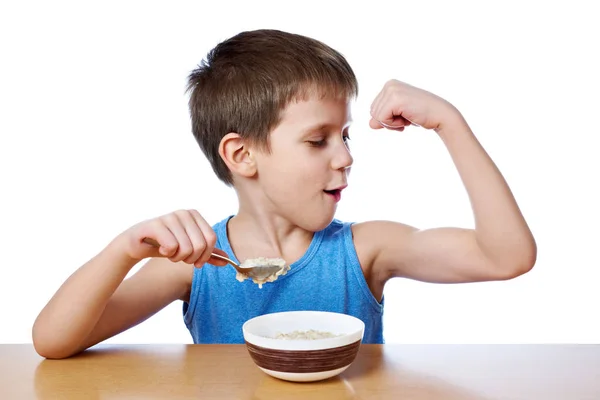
71, 314
501, 230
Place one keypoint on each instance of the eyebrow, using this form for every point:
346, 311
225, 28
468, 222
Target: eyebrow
324, 127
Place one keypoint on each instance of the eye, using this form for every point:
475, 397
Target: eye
317, 143
346, 138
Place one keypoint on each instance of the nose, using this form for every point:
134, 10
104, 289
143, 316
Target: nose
342, 159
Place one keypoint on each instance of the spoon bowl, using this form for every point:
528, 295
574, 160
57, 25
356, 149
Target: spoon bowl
259, 270
253, 271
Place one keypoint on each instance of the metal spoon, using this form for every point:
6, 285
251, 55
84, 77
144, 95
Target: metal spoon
257, 272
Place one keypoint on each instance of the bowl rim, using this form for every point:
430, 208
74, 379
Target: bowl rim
303, 344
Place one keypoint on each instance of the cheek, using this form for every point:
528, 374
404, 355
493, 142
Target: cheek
296, 184
293, 171
311, 172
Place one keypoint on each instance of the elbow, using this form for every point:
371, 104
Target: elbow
50, 347
509, 261
52, 351
515, 270
48, 352
510, 258
520, 263
527, 259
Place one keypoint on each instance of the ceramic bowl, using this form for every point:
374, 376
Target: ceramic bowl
303, 360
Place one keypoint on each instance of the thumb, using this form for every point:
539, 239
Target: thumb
158, 250
374, 124
217, 261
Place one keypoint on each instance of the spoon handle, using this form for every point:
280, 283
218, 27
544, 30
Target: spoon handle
154, 243
220, 257
151, 242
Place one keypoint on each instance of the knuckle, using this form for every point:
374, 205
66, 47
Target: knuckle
156, 224
181, 213
389, 84
170, 218
211, 239
199, 249
196, 216
185, 250
170, 246
170, 250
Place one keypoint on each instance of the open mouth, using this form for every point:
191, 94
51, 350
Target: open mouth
336, 194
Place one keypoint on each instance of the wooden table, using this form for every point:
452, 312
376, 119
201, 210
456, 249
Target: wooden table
465, 372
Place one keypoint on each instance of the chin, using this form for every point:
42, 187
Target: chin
316, 223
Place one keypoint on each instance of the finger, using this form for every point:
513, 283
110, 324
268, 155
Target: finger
376, 104
396, 122
185, 247
381, 110
387, 116
161, 238
209, 236
375, 111
373, 123
217, 261
194, 234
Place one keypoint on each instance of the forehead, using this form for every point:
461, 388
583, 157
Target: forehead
317, 110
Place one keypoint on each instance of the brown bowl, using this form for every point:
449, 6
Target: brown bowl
303, 346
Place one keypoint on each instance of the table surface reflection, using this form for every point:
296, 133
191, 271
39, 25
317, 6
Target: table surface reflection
465, 372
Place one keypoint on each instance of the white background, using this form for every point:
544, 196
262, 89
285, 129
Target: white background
95, 136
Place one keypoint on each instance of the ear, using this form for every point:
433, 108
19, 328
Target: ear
236, 155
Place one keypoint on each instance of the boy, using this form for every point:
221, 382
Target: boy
271, 112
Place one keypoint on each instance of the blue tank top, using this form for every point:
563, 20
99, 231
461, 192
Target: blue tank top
328, 277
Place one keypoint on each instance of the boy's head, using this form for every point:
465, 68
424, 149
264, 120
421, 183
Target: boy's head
247, 81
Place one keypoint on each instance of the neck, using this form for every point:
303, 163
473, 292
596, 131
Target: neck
258, 230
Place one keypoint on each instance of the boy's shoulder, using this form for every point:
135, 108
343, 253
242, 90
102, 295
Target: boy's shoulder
372, 231
375, 240
368, 237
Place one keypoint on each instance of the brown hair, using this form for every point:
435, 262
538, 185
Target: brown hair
246, 82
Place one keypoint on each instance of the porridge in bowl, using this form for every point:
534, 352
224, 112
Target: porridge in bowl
303, 346
310, 334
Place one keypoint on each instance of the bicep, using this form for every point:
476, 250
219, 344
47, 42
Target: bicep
445, 255
157, 284
439, 255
